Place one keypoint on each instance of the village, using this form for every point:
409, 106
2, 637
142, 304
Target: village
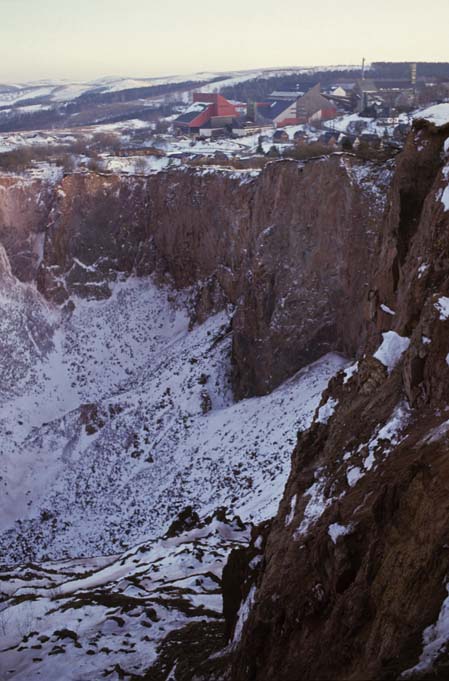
366, 112
367, 116
213, 127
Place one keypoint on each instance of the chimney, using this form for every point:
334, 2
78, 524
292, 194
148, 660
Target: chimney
363, 68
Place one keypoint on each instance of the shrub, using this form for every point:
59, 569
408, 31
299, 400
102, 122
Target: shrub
106, 141
18, 159
273, 152
305, 151
368, 152
67, 162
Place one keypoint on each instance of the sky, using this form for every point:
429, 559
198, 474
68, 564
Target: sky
88, 39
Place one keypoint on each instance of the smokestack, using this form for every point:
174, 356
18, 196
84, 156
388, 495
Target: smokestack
363, 68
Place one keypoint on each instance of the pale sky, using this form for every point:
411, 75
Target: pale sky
86, 39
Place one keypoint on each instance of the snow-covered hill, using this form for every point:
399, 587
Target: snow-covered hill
64, 91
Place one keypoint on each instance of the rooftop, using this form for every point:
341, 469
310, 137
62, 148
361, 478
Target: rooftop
192, 112
272, 109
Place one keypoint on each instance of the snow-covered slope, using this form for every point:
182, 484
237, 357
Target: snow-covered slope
116, 417
86, 619
126, 416
438, 113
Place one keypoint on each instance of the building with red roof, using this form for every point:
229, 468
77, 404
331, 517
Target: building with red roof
208, 110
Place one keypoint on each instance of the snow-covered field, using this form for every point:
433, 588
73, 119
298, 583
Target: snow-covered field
176, 147
372, 126
438, 114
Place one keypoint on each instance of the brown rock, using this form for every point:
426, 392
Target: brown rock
353, 604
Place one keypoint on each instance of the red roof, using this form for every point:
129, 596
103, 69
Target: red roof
214, 105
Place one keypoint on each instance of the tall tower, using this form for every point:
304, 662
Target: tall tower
363, 68
413, 74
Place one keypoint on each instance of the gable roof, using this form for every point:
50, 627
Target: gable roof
313, 101
192, 112
273, 109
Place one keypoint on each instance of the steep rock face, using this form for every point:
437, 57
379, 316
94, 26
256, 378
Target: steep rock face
290, 250
307, 279
402, 245
184, 225
356, 561
24, 210
95, 229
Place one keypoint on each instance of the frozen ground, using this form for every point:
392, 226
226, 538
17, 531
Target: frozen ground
348, 122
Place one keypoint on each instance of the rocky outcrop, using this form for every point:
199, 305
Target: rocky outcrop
290, 250
356, 561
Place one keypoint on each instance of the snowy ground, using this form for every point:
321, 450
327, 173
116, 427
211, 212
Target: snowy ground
116, 418
438, 113
44, 138
372, 126
125, 417
87, 619
173, 147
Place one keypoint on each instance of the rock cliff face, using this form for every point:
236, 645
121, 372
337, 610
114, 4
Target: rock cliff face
350, 581
24, 209
290, 250
308, 275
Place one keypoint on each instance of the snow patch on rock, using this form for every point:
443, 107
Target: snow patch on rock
435, 640
391, 349
353, 475
243, 615
336, 530
349, 372
442, 305
326, 411
291, 513
316, 505
381, 443
387, 309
